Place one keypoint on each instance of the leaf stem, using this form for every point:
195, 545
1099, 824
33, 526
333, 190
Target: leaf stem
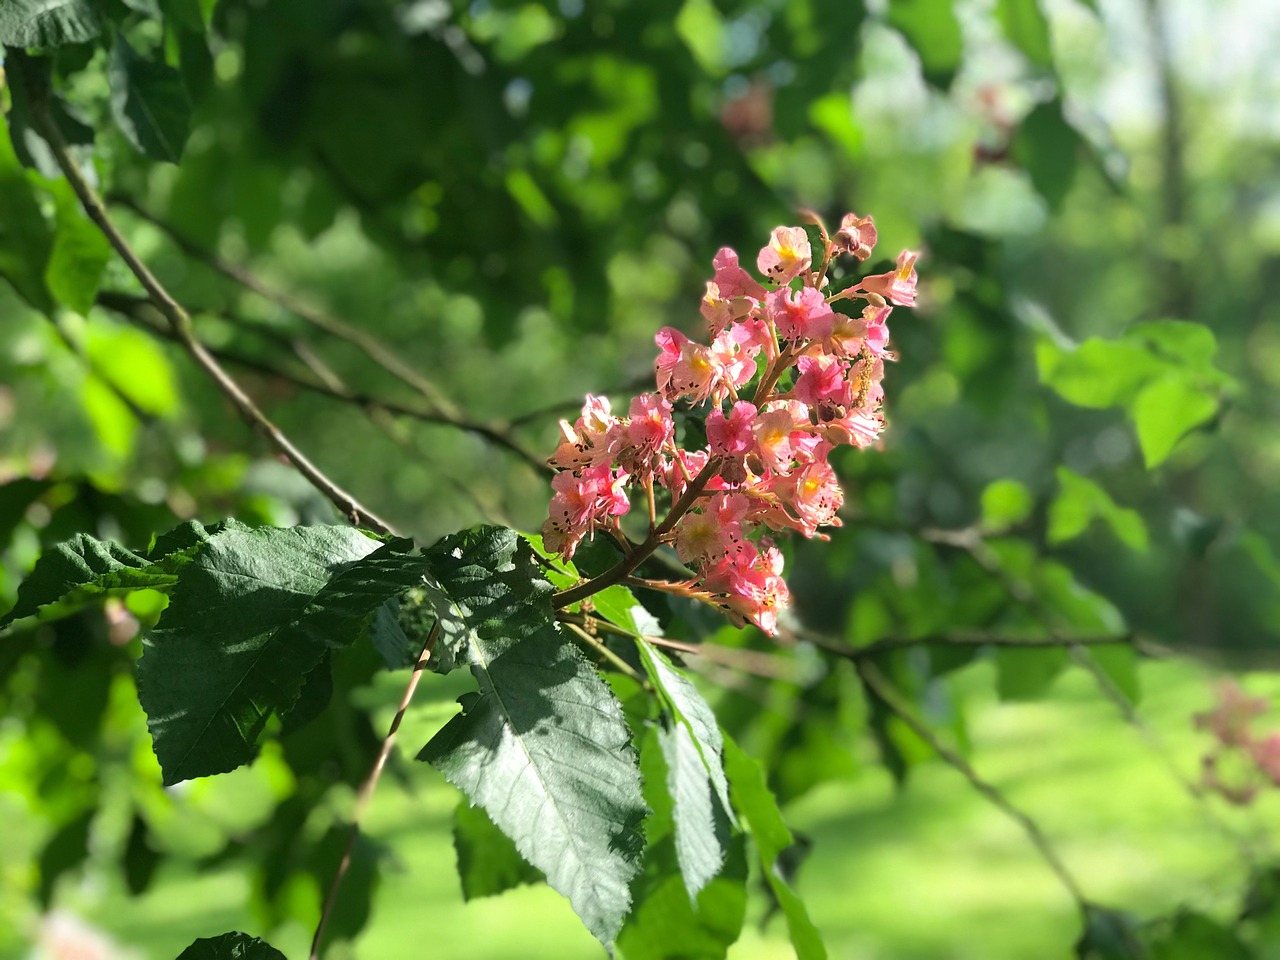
180, 323
618, 663
623, 567
367, 788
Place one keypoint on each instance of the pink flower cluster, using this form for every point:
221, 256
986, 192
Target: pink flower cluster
1240, 758
785, 378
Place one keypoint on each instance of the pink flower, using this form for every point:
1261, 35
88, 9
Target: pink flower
586, 443
897, 286
750, 586
800, 314
731, 279
787, 256
676, 472
640, 439
857, 428
813, 495
731, 436
582, 499
821, 379
857, 235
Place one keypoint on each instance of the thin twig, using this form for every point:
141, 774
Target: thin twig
443, 410
368, 786
887, 694
833, 646
180, 323
618, 663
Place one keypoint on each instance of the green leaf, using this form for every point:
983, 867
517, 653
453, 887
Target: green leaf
185, 13
72, 574
700, 25
543, 747
757, 806
29, 77
250, 617
64, 851
1193, 936
1027, 29
1048, 147
693, 749
1005, 503
79, 256
488, 861
1191, 344
1080, 501
149, 103
931, 27
1108, 935
665, 922
1027, 674
1119, 662
47, 23
25, 238
1164, 412
231, 946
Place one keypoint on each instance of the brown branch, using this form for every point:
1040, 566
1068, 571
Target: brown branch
368, 786
180, 323
443, 411
880, 687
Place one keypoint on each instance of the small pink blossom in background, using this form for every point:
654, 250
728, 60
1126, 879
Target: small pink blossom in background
782, 378
64, 936
1230, 718
787, 256
1266, 754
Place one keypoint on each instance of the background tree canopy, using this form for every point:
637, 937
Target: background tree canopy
418, 232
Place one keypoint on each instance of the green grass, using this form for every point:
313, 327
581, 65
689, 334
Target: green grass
933, 871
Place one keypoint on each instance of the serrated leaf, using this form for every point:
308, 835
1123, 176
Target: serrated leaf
758, 808
70, 575
231, 946
700, 836
543, 747
693, 749
47, 23
933, 31
149, 103
665, 922
1025, 26
488, 861
1164, 412
250, 617
80, 253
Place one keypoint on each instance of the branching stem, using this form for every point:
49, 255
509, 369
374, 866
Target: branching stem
627, 564
367, 788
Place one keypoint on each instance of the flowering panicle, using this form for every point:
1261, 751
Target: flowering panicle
786, 377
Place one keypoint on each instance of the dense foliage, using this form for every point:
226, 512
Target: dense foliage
351, 262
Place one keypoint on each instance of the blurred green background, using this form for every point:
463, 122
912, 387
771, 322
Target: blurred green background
419, 232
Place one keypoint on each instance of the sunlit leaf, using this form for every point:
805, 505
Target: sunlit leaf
253, 614
488, 861
543, 746
47, 23
1165, 411
231, 946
